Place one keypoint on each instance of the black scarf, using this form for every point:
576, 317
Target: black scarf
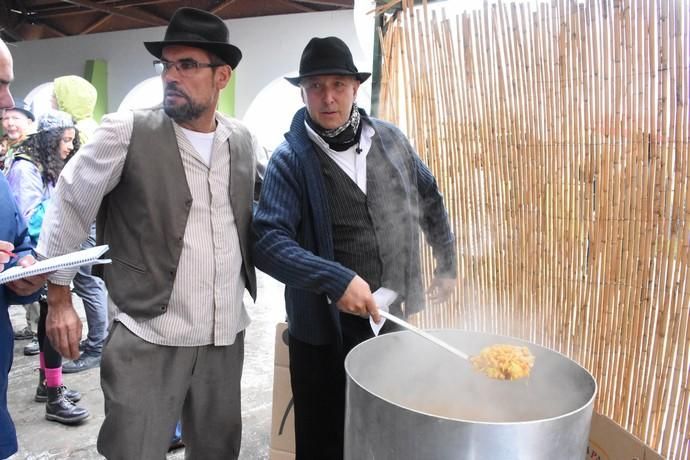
342, 137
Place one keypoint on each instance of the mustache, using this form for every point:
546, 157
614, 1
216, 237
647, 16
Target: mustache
171, 89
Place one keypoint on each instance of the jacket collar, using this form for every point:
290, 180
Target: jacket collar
297, 137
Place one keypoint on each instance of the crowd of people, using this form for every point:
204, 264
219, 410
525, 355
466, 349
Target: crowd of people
36, 152
173, 191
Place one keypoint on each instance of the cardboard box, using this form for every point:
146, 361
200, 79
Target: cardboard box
280, 455
649, 454
283, 418
609, 441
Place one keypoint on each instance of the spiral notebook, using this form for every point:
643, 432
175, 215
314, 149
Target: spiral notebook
72, 260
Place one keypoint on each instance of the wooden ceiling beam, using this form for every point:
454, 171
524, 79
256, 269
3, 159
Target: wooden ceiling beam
95, 25
71, 10
222, 6
336, 3
10, 32
296, 5
137, 15
52, 28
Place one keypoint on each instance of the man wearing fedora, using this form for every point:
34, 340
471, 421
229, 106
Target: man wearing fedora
339, 215
172, 191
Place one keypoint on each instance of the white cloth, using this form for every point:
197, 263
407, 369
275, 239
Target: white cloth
202, 143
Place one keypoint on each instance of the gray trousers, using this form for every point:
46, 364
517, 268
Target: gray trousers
33, 312
148, 388
91, 289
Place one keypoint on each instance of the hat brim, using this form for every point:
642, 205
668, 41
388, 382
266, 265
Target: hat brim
361, 76
228, 53
28, 114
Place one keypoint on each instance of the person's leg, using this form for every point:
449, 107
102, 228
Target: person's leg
93, 294
59, 406
317, 378
8, 435
317, 375
212, 417
28, 332
33, 312
144, 387
176, 442
32, 315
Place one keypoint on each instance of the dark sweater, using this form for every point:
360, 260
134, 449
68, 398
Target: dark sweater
294, 241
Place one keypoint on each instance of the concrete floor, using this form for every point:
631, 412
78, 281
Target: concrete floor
40, 439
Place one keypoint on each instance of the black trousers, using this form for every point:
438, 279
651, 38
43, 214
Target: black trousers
317, 375
51, 357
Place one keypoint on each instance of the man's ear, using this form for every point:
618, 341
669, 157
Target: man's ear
223, 75
356, 87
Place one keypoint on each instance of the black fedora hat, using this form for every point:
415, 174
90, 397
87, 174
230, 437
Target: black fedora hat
327, 56
21, 106
199, 29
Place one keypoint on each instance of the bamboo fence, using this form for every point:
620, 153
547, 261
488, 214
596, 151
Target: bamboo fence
559, 135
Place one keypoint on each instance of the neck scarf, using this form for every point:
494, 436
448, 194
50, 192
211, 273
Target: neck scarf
342, 137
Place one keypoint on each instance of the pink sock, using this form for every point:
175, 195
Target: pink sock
53, 377
41, 360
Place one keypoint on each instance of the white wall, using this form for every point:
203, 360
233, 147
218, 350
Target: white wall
271, 48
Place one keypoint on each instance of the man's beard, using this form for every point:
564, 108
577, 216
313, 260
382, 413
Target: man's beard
183, 112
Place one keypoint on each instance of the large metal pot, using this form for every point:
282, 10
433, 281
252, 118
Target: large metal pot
409, 399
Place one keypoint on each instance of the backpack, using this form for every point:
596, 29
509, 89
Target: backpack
35, 221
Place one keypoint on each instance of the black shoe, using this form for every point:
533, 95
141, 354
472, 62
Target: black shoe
32, 348
42, 394
62, 410
24, 334
83, 363
175, 444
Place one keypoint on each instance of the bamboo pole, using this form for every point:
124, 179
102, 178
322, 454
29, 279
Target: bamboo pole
559, 136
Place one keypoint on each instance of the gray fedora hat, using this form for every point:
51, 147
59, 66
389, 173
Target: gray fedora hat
21, 106
327, 56
199, 29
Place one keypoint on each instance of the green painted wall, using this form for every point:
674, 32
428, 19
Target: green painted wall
226, 102
96, 71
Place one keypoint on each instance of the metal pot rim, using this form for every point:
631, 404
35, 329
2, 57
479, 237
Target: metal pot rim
583, 407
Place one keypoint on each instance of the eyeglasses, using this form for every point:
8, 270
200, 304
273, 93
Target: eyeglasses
185, 67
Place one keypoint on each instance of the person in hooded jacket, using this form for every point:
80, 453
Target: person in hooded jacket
76, 96
36, 167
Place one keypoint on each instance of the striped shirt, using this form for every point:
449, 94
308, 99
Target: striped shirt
206, 305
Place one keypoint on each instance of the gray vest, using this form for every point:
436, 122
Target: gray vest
144, 217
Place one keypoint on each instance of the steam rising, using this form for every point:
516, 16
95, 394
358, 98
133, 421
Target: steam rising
407, 371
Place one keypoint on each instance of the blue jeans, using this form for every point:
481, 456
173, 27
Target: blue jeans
91, 289
8, 435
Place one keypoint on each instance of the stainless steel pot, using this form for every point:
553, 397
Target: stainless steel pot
409, 399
